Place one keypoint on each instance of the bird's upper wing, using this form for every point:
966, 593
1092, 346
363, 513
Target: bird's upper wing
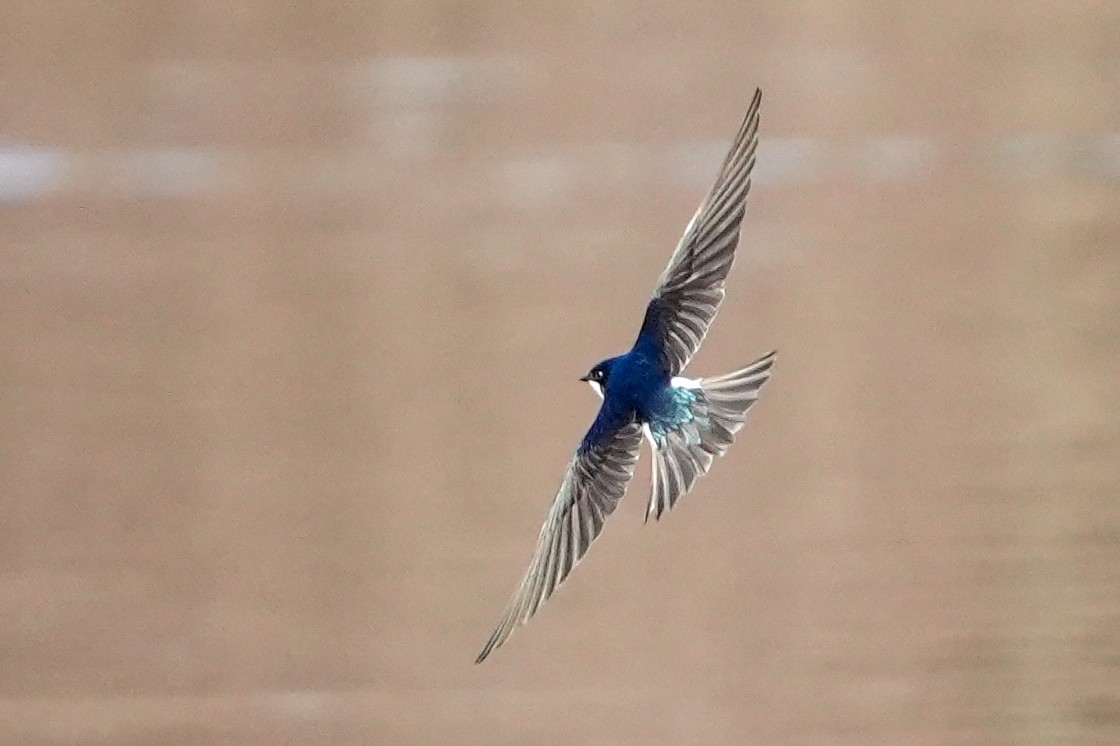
594, 483
689, 292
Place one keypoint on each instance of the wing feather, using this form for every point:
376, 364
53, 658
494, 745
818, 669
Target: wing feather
594, 483
691, 288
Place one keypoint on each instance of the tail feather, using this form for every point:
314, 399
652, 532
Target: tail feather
683, 455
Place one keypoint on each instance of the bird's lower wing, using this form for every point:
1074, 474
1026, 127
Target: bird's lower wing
594, 483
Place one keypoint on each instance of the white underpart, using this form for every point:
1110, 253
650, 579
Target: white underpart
596, 387
682, 382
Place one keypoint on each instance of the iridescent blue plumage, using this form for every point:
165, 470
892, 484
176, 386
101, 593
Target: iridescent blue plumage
637, 382
687, 422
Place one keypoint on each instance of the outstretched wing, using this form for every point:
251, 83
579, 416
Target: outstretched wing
690, 290
594, 483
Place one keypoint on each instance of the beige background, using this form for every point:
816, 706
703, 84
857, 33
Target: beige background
293, 300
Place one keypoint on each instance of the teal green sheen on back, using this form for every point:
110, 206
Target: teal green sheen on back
676, 413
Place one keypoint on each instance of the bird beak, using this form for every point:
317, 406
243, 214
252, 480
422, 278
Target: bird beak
585, 378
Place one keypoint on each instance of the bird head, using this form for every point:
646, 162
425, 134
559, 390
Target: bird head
597, 377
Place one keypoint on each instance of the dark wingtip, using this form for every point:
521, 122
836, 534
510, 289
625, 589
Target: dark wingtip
486, 651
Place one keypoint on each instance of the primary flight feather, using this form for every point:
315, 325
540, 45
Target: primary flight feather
687, 422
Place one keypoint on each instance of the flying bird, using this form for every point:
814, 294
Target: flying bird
687, 422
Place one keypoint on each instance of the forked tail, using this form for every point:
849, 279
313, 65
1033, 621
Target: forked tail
683, 454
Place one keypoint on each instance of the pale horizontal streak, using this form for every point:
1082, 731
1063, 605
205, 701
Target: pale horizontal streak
109, 718
539, 180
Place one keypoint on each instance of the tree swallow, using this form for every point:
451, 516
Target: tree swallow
688, 422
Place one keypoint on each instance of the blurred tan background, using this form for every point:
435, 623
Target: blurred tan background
293, 300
